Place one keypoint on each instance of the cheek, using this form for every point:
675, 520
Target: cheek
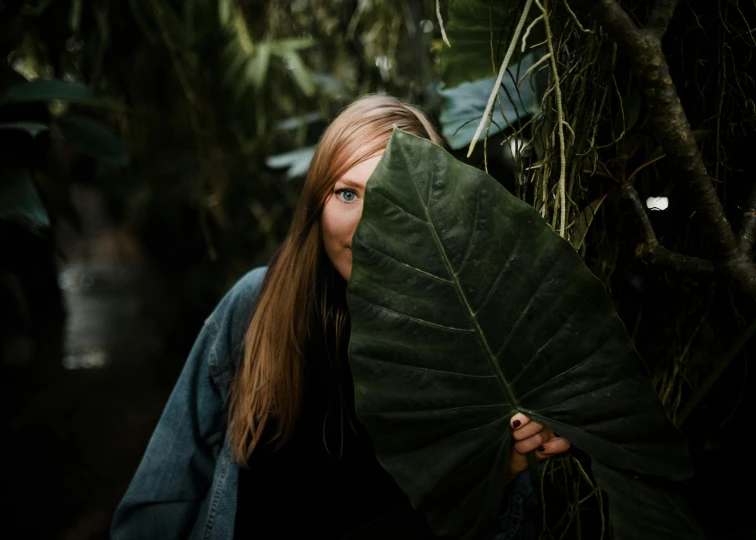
339, 222
330, 224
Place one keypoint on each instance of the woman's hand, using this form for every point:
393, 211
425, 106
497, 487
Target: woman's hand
530, 436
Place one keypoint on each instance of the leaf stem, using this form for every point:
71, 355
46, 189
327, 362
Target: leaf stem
441, 23
463, 299
500, 77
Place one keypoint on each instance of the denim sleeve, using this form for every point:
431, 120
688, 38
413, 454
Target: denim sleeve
520, 513
173, 478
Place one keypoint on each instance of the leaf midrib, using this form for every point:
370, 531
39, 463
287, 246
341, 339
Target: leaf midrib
458, 289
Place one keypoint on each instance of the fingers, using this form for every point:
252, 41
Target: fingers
526, 430
530, 436
556, 445
523, 427
519, 420
534, 441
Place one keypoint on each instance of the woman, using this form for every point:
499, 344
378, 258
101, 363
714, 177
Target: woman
259, 438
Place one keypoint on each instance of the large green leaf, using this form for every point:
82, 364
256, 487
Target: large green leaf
475, 28
466, 307
660, 505
464, 105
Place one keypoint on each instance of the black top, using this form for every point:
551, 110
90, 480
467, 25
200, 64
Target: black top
319, 485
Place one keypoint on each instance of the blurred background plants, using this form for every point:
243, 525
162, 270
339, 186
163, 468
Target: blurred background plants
193, 123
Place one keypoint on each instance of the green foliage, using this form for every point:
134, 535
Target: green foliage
643, 508
21, 201
479, 33
464, 105
296, 162
466, 308
208, 88
208, 97
248, 61
584, 222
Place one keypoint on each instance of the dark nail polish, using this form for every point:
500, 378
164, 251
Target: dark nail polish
516, 424
542, 449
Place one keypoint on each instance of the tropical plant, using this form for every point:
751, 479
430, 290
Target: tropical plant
24, 117
610, 129
467, 308
206, 100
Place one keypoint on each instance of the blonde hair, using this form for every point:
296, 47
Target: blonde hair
301, 282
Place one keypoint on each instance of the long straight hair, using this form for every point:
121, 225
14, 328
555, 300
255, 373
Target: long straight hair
301, 283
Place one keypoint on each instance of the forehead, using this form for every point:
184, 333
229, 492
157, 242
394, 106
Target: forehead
360, 173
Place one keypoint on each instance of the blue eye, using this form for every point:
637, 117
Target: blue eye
346, 194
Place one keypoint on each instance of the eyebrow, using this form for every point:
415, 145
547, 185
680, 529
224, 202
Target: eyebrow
350, 183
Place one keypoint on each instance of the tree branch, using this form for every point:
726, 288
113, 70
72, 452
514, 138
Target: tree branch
672, 129
629, 192
661, 14
621, 27
652, 252
747, 235
667, 116
659, 255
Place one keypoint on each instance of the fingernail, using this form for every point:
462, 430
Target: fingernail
516, 424
542, 449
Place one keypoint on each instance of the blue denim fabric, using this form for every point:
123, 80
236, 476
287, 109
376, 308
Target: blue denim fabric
185, 486
186, 483
520, 512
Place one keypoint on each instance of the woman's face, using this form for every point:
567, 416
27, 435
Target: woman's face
342, 213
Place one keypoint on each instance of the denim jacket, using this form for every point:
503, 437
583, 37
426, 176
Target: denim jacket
186, 483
